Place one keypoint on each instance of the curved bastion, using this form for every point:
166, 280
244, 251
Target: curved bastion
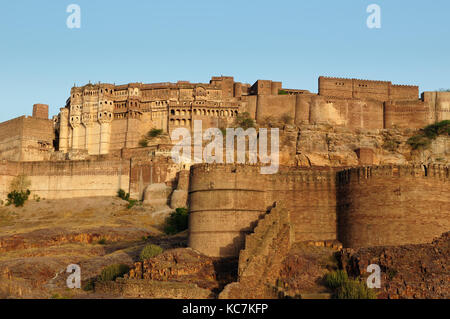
393, 205
226, 202
366, 206
225, 205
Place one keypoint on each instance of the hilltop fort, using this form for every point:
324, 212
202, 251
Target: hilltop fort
103, 119
347, 173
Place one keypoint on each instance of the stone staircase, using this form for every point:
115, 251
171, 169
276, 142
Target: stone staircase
260, 261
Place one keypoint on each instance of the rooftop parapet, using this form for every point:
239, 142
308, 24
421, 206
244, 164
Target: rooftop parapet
365, 173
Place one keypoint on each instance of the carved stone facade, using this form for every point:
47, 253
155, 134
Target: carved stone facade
102, 118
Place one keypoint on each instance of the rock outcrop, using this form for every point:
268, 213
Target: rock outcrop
409, 271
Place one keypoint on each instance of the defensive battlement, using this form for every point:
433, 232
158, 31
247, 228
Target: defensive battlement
215, 82
352, 79
366, 89
102, 118
362, 206
285, 173
225, 168
404, 86
365, 173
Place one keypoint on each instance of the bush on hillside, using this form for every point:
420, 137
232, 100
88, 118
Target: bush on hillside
110, 273
428, 134
355, 289
123, 195
18, 198
150, 251
335, 279
154, 133
244, 121
346, 288
177, 221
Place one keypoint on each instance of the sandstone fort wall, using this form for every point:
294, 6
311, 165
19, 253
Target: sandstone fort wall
414, 114
366, 89
68, 179
226, 202
11, 139
26, 139
360, 207
381, 206
90, 178
439, 103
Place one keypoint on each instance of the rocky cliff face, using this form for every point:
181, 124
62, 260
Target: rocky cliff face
176, 273
325, 145
409, 271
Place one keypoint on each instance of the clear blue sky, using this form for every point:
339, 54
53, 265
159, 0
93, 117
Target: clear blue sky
157, 41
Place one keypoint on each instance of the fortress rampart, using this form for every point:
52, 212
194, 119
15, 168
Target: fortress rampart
26, 138
361, 207
89, 178
393, 205
366, 89
226, 202
68, 179
101, 119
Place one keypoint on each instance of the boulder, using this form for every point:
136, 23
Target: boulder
157, 195
179, 198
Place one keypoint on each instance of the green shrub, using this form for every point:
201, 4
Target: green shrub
18, 198
336, 279
110, 273
102, 241
150, 251
282, 92
125, 196
154, 133
355, 289
429, 133
89, 285
177, 221
434, 130
418, 141
132, 203
244, 121
143, 143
